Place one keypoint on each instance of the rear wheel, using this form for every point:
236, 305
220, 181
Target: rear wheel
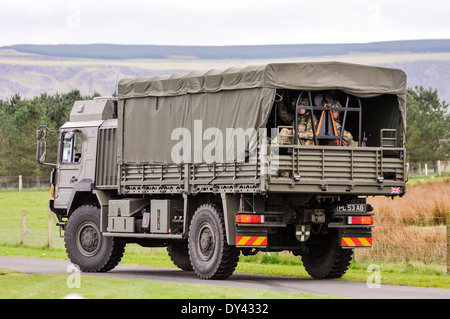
179, 254
211, 256
85, 245
326, 259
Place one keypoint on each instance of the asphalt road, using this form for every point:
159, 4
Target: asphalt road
274, 283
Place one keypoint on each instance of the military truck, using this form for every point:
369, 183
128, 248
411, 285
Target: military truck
193, 162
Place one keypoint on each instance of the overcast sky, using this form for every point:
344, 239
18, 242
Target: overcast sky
226, 22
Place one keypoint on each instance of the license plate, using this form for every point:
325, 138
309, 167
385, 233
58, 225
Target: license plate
352, 208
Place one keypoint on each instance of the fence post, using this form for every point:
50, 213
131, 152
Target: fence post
50, 229
23, 228
439, 168
448, 243
20, 183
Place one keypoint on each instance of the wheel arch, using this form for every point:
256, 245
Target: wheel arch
228, 204
81, 195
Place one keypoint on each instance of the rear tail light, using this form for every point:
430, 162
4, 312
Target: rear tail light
249, 219
360, 220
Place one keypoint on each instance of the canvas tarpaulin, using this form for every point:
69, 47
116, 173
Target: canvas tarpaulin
151, 126
358, 80
151, 108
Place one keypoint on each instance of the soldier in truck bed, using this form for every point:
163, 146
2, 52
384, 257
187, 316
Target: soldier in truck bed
305, 130
347, 138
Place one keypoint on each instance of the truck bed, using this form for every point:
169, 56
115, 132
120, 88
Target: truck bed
310, 169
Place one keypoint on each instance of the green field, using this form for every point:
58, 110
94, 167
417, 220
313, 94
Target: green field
34, 202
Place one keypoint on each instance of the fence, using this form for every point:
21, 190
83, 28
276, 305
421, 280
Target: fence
437, 168
409, 239
19, 182
30, 229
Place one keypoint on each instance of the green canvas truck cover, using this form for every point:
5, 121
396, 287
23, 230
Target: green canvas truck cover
151, 108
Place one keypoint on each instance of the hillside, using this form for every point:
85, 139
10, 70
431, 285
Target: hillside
124, 52
33, 69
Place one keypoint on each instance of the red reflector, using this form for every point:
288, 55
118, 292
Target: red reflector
250, 219
360, 220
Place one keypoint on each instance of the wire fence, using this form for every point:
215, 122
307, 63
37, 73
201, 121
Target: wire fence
29, 229
436, 168
408, 239
20, 182
404, 244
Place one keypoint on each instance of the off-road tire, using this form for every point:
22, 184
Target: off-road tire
85, 245
211, 256
179, 254
327, 260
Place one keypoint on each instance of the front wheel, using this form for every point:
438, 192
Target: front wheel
326, 259
85, 244
211, 256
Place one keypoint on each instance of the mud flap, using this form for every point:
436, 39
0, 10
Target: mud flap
251, 240
355, 238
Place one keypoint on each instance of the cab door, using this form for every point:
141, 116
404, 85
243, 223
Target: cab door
69, 165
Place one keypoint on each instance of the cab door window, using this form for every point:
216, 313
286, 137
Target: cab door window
71, 147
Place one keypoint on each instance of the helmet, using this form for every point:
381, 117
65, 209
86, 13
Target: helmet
336, 104
302, 102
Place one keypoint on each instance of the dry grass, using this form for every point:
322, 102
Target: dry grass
411, 228
423, 204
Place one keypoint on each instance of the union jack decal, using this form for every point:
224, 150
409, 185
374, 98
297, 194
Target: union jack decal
396, 190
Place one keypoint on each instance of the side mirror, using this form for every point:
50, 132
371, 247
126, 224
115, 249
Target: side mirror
41, 152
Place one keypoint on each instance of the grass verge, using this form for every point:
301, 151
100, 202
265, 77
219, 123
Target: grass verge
37, 286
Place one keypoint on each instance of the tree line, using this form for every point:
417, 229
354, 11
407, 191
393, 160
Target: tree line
428, 126
19, 120
427, 137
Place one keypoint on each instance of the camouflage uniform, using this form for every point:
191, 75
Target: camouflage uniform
305, 131
347, 137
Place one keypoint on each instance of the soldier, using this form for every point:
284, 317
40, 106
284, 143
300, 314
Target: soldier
305, 131
347, 138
